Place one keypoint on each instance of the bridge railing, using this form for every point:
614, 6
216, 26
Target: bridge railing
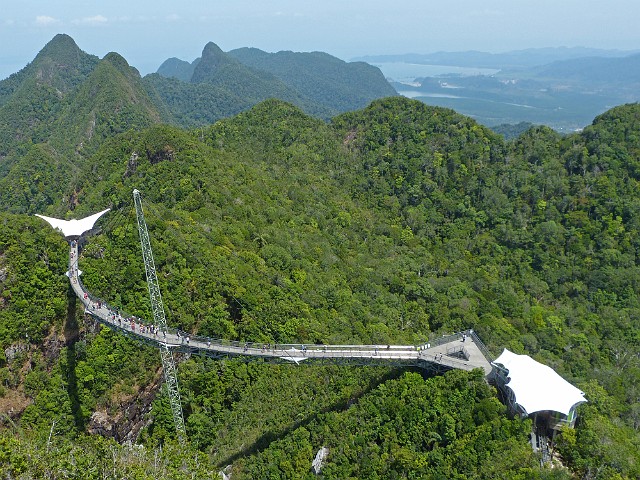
292, 347
238, 347
481, 346
443, 360
437, 341
93, 299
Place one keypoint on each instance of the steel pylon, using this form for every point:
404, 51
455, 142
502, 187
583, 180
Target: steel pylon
159, 318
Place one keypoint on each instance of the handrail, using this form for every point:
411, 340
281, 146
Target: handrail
437, 341
481, 346
184, 341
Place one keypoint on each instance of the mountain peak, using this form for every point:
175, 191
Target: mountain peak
62, 49
60, 65
61, 40
213, 58
109, 101
121, 64
211, 50
176, 68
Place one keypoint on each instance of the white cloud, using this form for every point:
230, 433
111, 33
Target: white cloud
95, 20
173, 17
45, 20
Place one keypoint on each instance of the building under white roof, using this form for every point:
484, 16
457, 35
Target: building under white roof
533, 387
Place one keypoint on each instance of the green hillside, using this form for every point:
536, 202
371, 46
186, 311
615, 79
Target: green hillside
32, 98
217, 68
176, 68
219, 84
110, 101
396, 223
325, 79
61, 91
193, 105
60, 65
58, 115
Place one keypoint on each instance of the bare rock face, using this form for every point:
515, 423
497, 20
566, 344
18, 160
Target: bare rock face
132, 165
121, 419
14, 350
101, 424
226, 472
129, 418
51, 347
318, 462
13, 400
4, 274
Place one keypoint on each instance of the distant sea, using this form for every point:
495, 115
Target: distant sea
408, 72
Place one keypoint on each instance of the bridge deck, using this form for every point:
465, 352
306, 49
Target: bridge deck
462, 351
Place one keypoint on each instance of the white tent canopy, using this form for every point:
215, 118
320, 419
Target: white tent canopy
74, 228
537, 387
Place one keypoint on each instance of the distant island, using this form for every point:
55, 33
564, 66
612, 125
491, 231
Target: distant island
563, 88
525, 58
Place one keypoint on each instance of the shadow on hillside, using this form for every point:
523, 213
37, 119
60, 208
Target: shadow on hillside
71, 333
263, 442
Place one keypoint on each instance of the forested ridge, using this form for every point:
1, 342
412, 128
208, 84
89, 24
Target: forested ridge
220, 84
391, 224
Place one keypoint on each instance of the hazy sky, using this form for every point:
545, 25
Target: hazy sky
147, 32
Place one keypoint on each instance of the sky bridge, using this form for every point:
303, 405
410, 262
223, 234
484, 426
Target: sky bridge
529, 387
462, 351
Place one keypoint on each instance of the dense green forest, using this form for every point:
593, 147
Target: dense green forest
391, 224
218, 84
325, 79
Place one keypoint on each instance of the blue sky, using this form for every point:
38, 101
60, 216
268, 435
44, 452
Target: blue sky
148, 32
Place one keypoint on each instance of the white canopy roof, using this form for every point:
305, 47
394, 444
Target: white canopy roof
74, 228
538, 387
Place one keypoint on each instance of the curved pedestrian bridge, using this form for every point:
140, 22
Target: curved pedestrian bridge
463, 350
